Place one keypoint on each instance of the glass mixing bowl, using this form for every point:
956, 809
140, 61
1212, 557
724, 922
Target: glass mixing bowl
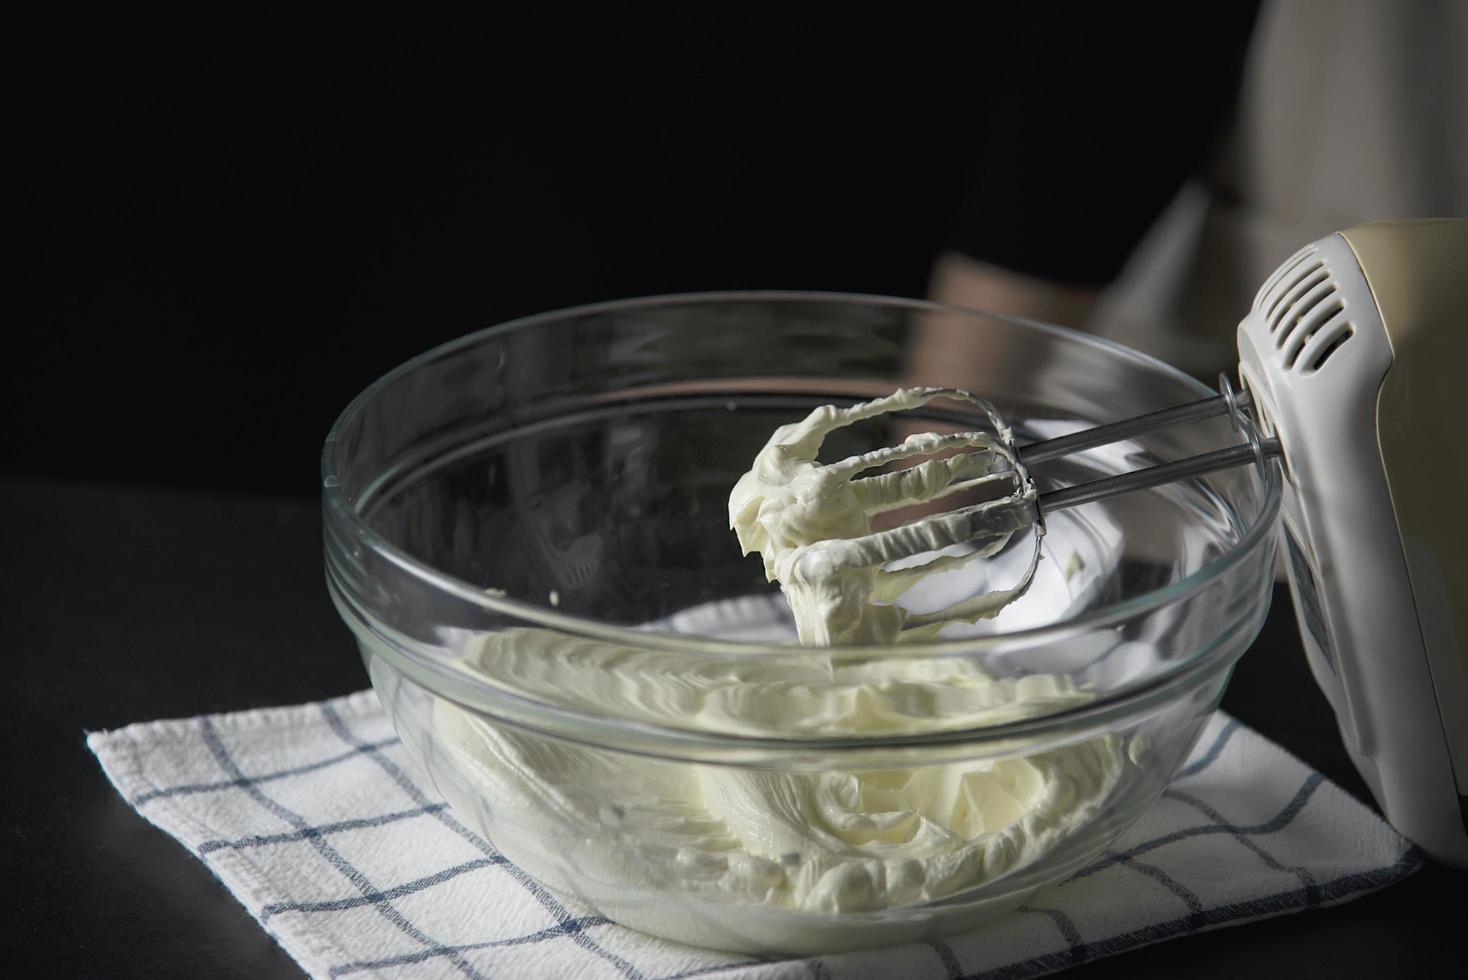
527, 531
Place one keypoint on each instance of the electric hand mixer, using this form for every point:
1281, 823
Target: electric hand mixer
1348, 361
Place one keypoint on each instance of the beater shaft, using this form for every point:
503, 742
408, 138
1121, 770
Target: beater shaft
1155, 476
1226, 403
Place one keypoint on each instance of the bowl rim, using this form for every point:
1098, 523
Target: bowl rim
338, 508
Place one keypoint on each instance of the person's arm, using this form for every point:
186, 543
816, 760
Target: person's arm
962, 281
945, 351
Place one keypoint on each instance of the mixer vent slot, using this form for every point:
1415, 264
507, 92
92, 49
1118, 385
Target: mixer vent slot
1307, 290
1332, 343
1304, 311
1277, 284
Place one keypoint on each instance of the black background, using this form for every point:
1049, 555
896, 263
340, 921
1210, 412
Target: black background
227, 225
224, 221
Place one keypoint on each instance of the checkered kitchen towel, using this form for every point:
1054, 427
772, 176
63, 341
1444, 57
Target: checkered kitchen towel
317, 821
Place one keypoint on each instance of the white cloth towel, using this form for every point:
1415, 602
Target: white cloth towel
317, 821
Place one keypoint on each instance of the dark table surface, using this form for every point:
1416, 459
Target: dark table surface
123, 605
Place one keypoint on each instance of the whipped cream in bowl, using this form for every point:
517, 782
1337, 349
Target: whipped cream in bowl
822, 746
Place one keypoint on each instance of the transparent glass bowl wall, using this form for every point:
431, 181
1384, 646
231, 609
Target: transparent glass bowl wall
578, 465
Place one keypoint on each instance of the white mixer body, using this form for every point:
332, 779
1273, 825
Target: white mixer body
1376, 596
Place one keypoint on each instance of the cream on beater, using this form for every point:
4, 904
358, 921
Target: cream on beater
812, 522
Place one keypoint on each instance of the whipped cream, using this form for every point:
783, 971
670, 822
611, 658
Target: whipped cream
823, 842
622, 830
803, 695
